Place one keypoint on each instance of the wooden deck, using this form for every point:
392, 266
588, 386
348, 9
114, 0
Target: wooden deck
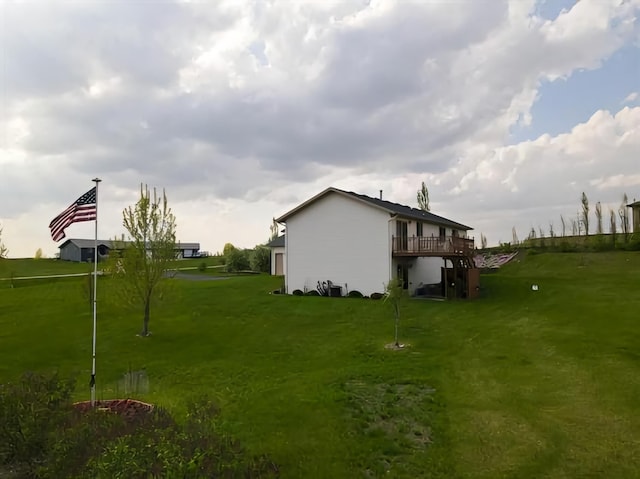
439, 246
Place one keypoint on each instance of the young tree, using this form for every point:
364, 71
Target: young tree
3, 249
423, 198
574, 228
273, 230
483, 241
3, 255
599, 229
564, 226
142, 265
38, 254
532, 234
623, 212
514, 236
579, 223
394, 294
585, 213
552, 233
612, 226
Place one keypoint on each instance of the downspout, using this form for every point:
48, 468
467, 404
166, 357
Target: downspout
286, 260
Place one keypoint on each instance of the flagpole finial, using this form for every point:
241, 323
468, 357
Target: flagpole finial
96, 180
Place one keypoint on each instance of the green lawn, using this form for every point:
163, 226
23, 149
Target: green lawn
517, 384
31, 267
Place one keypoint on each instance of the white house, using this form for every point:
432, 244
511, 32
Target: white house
358, 243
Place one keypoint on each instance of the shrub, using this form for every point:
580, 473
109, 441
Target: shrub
29, 411
237, 260
260, 259
297, 292
566, 247
44, 436
202, 267
355, 294
634, 242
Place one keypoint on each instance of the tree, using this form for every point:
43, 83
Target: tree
579, 223
623, 212
514, 236
38, 254
394, 294
237, 260
564, 226
423, 198
228, 248
273, 230
599, 229
260, 259
585, 213
483, 241
3, 249
142, 264
612, 226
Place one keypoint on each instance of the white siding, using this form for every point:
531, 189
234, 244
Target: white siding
274, 251
338, 239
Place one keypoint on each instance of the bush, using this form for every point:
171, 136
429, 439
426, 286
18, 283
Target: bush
202, 267
297, 292
29, 411
44, 436
260, 259
355, 294
566, 247
237, 260
634, 242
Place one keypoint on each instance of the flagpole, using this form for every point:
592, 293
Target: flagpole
92, 383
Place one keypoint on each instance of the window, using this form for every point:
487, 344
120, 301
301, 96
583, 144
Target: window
419, 229
443, 232
401, 235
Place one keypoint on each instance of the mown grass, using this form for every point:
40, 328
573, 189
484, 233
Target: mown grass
518, 384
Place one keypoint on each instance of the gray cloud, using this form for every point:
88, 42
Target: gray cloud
234, 100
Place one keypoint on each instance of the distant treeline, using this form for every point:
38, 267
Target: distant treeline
577, 234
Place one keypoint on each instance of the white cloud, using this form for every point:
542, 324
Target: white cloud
242, 108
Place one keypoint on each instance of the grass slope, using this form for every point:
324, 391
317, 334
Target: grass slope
518, 384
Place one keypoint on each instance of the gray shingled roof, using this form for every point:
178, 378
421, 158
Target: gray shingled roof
409, 212
85, 243
88, 243
393, 208
276, 242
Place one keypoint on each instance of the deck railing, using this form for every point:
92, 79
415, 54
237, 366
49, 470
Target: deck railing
432, 245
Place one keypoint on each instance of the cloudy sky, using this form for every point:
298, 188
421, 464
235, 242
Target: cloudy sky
241, 109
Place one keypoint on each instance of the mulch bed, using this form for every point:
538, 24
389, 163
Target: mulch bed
128, 408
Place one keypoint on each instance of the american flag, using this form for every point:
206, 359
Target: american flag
83, 209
